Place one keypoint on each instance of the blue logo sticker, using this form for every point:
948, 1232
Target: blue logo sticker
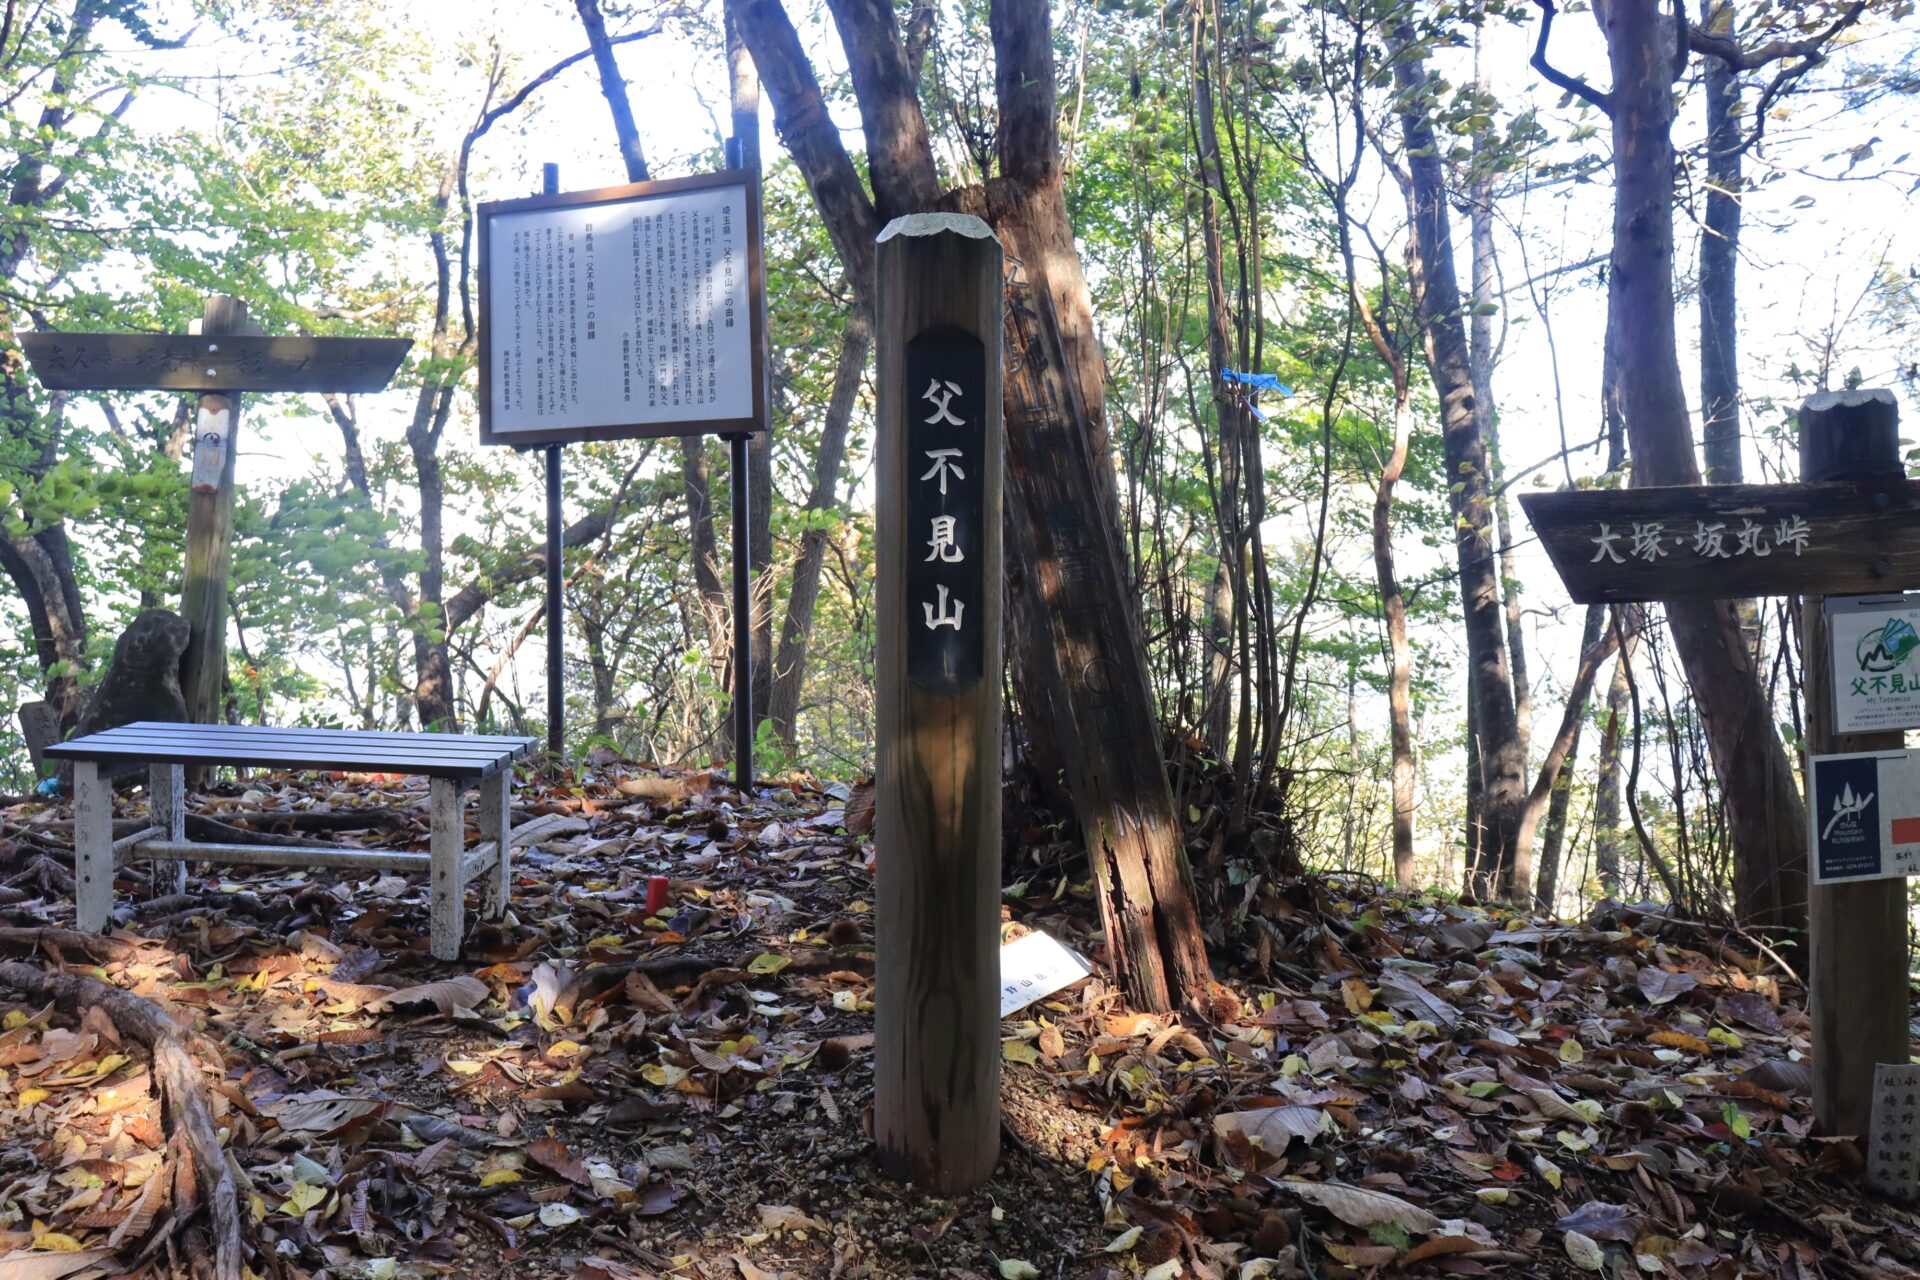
1847, 818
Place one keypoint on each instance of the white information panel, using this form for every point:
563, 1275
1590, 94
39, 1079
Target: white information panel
1876, 662
628, 311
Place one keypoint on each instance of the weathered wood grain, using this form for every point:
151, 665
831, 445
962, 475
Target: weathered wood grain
937, 802
1862, 536
209, 362
1857, 982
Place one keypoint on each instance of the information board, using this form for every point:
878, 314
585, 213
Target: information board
625, 311
1864, 816
1875, 644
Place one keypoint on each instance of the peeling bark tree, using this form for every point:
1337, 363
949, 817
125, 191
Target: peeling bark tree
1079, 658
1437, 296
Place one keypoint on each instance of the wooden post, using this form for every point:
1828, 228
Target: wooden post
167, 811
446, 845
203, 599
92, 847
1857, 980
938, 602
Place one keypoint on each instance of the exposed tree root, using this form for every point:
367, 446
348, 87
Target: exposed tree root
183, 1103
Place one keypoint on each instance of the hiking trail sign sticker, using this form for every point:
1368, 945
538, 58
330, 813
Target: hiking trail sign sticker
1876, 662
1864, 816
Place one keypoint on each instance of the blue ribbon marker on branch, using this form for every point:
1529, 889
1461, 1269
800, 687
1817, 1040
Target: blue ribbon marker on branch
1257, 382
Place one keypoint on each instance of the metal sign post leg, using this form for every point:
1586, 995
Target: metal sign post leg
742, 623
556, 629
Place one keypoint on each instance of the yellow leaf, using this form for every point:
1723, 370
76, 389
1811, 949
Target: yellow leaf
32, 1097
1727, 1039
1572, 1050
1681, 1040
111, 1063
1357, 994
1547, 1169
564, 1049
499, 1177
1019, 1051
57, 1242
15, 1018
607, 940
302, 1197
766, 962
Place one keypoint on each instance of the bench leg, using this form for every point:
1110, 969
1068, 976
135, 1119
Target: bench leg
92, 847
496, 824
447, 842
167, 810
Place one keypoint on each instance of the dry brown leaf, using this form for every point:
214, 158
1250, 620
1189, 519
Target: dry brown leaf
784, 1217
447, 996
32, 1264
1361, 1206
1273, 1127
553, 1154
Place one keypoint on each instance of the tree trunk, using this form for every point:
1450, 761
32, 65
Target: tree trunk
1393, 605
716, 602
1719, 259
1081, 665
790, 667
1481, 345
42, 572
1439, 303
1216, 712
1595, 644
1230, 629
1607, 837
1765, 817
1115, 771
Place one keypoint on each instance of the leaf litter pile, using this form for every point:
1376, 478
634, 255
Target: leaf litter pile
269, 1076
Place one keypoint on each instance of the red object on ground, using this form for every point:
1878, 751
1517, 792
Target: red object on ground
656, 895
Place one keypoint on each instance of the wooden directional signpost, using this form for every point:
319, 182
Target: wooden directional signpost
937, 481
1851, 528
225, 358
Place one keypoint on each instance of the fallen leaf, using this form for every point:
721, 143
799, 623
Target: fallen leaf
1586, 1255
448, 996
784, 1217
553, 1154
1661, 986
1361, 1206
1274, 1127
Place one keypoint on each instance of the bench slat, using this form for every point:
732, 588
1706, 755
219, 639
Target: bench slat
470, 757
244, 732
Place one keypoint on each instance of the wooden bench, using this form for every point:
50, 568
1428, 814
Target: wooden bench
453, 763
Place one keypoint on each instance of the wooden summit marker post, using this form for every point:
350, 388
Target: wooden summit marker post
936, 1115
1851, 527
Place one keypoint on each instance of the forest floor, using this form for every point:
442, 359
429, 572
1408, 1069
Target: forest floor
1390, 1084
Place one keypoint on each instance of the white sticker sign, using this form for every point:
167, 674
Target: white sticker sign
1875, 646
1033, 968
630, 311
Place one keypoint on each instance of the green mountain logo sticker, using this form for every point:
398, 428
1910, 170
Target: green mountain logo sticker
1887, 646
